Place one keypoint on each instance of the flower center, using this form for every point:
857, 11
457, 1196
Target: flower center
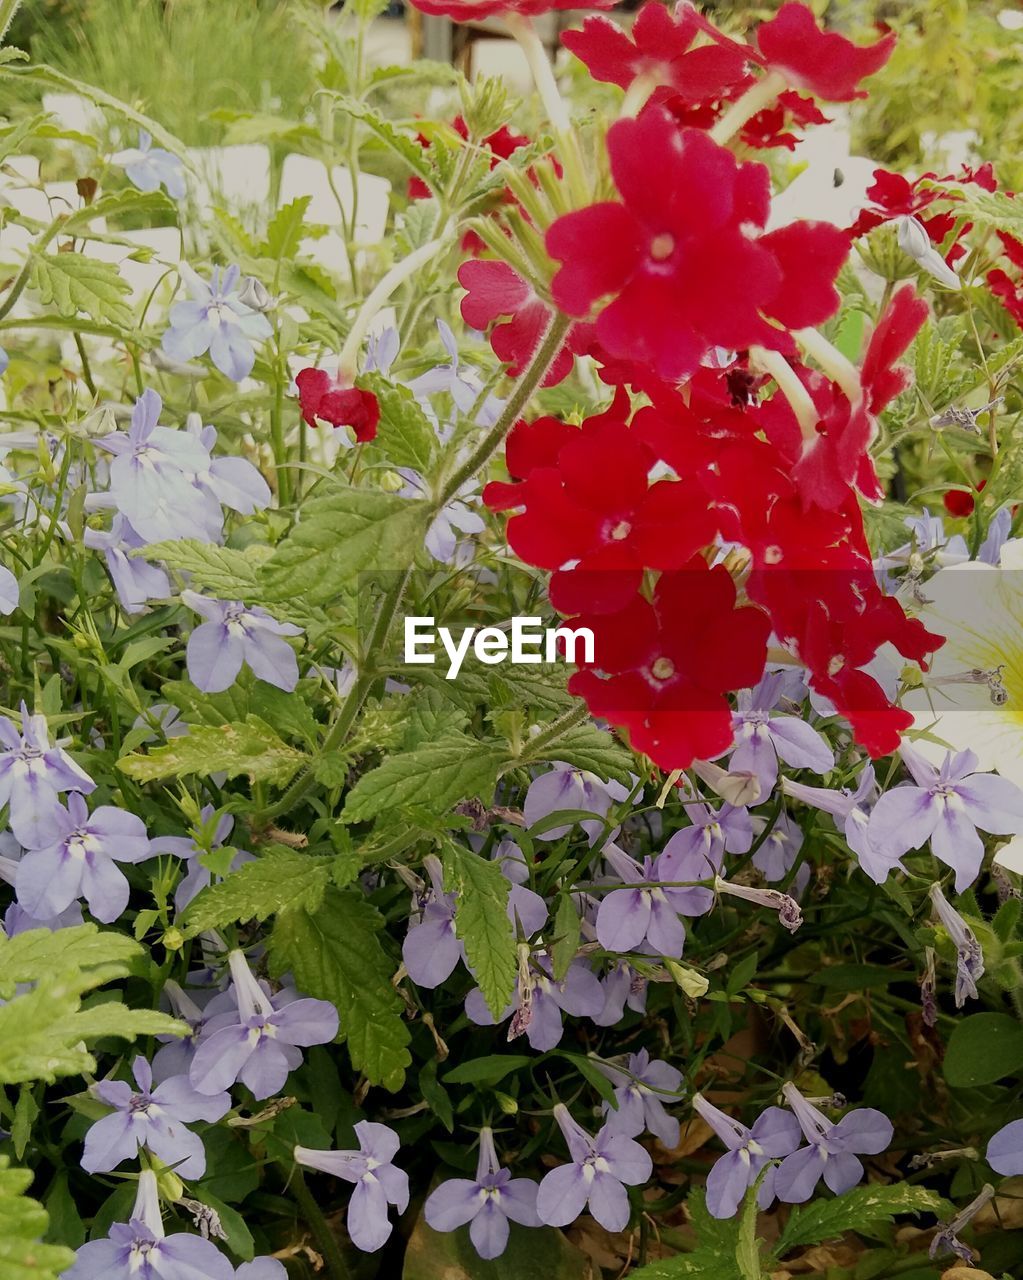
662, 247
662, 669
621, 531
139, 1103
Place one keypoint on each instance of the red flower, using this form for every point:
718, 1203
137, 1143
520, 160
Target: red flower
959, 503
659, 46
903, 319
323, 397
591, 503
679, 257
470, 10
496, 291
767, 127
662, 668
823, 62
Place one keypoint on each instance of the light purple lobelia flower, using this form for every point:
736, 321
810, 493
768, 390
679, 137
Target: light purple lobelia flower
33, 772
17, 920
152, 1118
780, 848
643, 916
622, 985
174, 1057
642, 1087
790, 915
946, 1238
461, 382
227, 481
833, 1148
486, 1202
139, 1250
851, 811
378, 1182
10, 593
149, 168
775, 1133
969, 956
432, 948
947, 806
540, 1001
457, 517
149, 476
215, 320
232, 635
712, 833
601, 1168
1005, 1150
263, 1047
564, 787
262, 1269
763, 739
198, 877
135, 580
80, 861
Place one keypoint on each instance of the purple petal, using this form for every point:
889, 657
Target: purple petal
109, 1141
994, 804
368, 1223
609, 1202
96, 1260
1005, 1150
265, 1071
798, 1174
184, 1102
306, 1022
192, 1258
777, 1132
622, 919
726, 1185
46, 882
219, 1059
800, 745
545, 1027
431, 950
489, 1231
104, 887
956, 843
271, 659
561, 1196
864, 1130
175, 1145
125, 832
518, 1200
214, 657
903, 819
627, 1160
842, 1172
452, 1204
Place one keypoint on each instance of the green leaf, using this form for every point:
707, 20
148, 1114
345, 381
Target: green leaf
238, 1237
285, 230
23, 1223
228, 574
404, 435
983, 1048
747, 1247
77, 285
402, 144
490, 1069
566, 936
861, 1209
279, 880
481, 922
714, 1258
82, 953
249, 749
439, 774
335, 954
340, 535
115, 203
590, 748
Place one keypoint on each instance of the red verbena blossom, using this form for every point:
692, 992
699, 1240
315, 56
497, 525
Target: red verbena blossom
325, 398
471, 10
768, 128
587, 499
821, 62
660, 46
495, 292
662, 667
679, 256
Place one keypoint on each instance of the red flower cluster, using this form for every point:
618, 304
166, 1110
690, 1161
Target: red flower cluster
324, 398
472, 10
822, 62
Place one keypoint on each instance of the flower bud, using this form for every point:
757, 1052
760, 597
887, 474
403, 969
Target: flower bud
256, 295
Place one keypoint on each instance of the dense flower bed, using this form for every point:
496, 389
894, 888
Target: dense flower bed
699, 956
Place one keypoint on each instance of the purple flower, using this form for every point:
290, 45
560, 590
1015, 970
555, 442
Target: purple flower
461, 383
153, 1118
539, 1001
946, 806
713, 833
149, 476
262, 1048
217, 321
600, 1170
564, 788
149, 168
779, 850
198, 876
833, 1149
946, 1239
79, 861
175, 1056
1005, 1150
5, 360
762, 739
641, 1089
261, 1269
139, 1250
526, 909
135, 581
990, 550
487, 1202
644, 912
32, 774
969, 956
851, 809
17, 920
227, 481
378, 1182
234, 634
790, 916
442, 536
622, 986
774, 1134
10, 594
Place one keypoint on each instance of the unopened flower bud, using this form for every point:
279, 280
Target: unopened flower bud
914, 241
692, 983
256, 295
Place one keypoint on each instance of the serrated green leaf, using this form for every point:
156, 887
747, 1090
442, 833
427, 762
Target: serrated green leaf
23, 1223
340, 535
228, 574
77, 285
280, 879
481, 922
115, 203
404, 435
590, 748
861, 1209
250, 749
439, 774
285, 230
402, 144
335, 954
86, 956
567, 931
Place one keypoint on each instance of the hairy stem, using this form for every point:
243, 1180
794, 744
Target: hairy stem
317, 1223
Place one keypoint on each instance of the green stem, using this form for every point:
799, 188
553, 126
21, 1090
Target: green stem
532, 750
18, 287
525, 388
277, 432
86, 370
317, 1223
